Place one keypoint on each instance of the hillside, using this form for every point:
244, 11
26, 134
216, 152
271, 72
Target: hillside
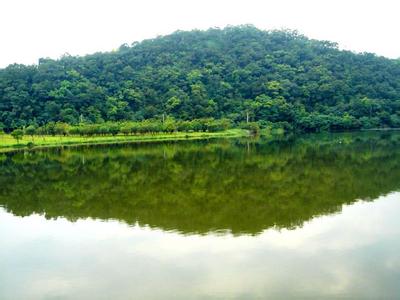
277, 78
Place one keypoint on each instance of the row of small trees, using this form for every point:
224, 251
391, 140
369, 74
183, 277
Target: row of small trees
127, 128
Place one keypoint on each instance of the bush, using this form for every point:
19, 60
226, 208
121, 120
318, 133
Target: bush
253, 127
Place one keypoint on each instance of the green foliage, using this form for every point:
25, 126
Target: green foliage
30, 130
131, 127
17, 134
239, 73
61, 128
253, 127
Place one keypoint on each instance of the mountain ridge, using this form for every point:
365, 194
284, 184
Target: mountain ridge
279, 78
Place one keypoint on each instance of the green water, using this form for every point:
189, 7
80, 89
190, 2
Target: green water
313, 217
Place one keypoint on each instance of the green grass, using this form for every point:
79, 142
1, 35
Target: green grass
8, 143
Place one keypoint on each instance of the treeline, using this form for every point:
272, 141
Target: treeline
275, 78
169, 125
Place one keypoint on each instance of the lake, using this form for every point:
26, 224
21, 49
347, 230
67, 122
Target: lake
312, 217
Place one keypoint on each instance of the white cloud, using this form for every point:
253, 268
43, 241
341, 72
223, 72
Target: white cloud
48, 28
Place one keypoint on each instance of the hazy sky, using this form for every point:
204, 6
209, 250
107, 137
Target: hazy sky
31, 29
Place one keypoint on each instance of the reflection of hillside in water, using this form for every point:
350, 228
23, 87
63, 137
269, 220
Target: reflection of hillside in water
198, 187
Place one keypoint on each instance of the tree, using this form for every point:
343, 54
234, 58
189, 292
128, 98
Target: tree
17, 134
61, 128
240, 73
251, 107
30, 130
253, 127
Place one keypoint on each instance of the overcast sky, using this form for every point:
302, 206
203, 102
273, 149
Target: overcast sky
31, 29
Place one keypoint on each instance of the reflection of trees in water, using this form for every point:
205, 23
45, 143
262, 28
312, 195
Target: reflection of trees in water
204, 186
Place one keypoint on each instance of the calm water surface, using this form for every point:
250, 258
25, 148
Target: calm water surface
316, 217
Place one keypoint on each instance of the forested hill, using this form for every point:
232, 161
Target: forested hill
280, 78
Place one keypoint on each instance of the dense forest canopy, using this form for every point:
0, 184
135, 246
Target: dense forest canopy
273, 77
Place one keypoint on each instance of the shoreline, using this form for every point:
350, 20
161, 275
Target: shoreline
9, 144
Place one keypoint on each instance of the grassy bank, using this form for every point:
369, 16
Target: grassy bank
8, 143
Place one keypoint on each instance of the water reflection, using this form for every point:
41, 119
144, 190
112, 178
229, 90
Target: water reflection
352, 255
307, 218
199, 187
